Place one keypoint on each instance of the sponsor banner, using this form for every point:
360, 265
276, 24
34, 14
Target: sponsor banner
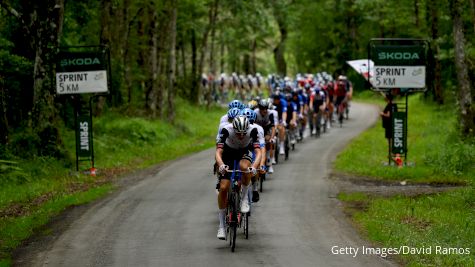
81, 61
399, 76
81, 82
84, 136
399, 144
398, 55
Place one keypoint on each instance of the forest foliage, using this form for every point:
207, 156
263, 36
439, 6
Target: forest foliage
160, 48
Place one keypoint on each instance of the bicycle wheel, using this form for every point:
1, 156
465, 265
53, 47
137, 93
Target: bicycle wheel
245, 221
286, 146
234, 221
261, 181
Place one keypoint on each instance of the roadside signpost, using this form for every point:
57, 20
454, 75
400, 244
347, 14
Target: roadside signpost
83, 70
399, 68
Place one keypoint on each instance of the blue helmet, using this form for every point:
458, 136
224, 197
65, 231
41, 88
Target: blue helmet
236, 104
232, 113
250, 114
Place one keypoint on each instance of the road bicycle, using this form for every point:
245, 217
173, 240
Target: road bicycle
234, 217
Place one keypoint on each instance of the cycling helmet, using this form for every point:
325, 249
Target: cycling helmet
263, 104
232, 113
250, 114
252, 104
235, 104
240, 124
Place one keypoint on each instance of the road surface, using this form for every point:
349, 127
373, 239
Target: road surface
170, 218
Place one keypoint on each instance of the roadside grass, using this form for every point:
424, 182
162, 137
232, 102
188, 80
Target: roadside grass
441, 224
435, 153
36, 190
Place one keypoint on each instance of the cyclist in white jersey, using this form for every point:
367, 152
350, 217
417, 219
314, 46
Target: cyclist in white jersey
275, 114
251, 116
236, 143
266, 119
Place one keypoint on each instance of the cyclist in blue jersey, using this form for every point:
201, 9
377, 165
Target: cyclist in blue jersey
281, 108
292, 110
298, 101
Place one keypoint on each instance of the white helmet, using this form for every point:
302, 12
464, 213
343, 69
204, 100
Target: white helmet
240, 124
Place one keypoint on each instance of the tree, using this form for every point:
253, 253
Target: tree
171, 60
467, 110
42, 25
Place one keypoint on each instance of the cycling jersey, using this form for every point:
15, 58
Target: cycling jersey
229, 140
236, 148
224, 119
317, 98
266, 121
291, 108
281, 107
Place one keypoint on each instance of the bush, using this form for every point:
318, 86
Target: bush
455, 158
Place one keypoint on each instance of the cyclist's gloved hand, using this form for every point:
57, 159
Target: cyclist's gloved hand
252, 170
223, 168
263, 169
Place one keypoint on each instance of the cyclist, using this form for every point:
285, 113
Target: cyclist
317, 104
298, 100
340, 93
292, 116
281, 108
251, 116
271, 110
266, 120
236, 143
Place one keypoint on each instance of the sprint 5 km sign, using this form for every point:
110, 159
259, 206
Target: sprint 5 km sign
400, 77
81, 72
399, 66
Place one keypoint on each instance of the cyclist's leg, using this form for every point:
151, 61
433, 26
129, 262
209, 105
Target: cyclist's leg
222, 202
244, 165
281, 138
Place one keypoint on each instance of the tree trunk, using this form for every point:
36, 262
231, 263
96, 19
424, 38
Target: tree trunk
416, 13
171, 62
153, 68
194, 69
437, 72
253, 63
105, 39
4, 128
472, 8
467, 114
279, 50
212, 13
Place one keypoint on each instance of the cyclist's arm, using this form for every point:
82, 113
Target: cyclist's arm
223, 134
257, 148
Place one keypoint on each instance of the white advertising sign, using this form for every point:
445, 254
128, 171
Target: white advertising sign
81, 82
399, 76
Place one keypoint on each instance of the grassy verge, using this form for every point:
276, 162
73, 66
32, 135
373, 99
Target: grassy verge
34, 191
430, 230
434, 151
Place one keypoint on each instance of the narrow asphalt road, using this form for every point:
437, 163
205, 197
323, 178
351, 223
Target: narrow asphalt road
170, 217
